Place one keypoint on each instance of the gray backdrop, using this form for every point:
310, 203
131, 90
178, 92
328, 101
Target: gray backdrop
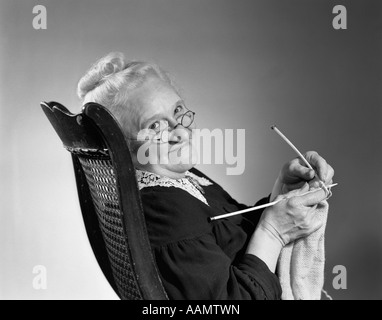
241, 64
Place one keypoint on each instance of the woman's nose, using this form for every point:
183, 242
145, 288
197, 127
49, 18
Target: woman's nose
179, 134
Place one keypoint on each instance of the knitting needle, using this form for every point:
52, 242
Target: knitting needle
300, 155
270, 204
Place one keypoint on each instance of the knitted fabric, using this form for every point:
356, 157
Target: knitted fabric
301, 263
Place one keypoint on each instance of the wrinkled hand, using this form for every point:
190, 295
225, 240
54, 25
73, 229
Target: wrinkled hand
293, 217
295, 173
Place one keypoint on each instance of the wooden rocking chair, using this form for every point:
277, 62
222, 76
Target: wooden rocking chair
109, 199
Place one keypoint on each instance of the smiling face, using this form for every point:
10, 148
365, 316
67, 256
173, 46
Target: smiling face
153, 104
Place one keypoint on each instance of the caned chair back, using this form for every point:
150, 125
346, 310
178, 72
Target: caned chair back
109, 199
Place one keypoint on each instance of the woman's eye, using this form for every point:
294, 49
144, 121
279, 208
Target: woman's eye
154, 126
178, 109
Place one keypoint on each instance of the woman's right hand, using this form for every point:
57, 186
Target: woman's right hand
284, 222
294, 217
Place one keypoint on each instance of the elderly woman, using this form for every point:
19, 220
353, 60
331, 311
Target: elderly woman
197, 258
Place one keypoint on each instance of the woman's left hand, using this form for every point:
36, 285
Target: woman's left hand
295, 173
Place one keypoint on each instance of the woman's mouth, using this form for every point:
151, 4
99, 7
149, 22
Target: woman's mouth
178, 146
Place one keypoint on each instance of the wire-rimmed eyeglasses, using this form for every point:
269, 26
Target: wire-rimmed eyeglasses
161, 134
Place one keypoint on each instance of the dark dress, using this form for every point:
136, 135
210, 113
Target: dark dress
200, 259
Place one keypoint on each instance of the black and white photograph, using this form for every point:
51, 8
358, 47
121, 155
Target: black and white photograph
190, 150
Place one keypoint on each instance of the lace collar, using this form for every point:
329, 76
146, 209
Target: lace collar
191, 183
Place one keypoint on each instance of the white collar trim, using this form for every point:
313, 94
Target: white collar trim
148, 179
